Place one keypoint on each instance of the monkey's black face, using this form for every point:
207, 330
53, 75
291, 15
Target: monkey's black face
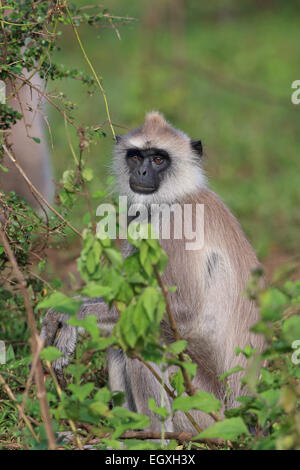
147, 168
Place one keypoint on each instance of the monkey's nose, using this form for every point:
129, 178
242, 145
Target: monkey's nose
143, 173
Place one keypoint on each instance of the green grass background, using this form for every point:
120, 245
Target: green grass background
222, 72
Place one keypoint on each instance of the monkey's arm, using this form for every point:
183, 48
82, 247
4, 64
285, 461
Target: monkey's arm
56, 331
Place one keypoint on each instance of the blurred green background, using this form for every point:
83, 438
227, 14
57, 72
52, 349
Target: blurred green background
219, 70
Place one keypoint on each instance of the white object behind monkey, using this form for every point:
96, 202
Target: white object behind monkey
33, 157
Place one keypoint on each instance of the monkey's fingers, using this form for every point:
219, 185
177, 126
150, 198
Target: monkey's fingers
66, 343
51, 324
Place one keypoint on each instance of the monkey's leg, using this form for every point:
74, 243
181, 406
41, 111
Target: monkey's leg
56, 331
144, 386
118, 374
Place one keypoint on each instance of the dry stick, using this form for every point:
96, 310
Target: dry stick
33, 188
39, 376
59, 393
32, 372
180, 436
167, 389
21, 412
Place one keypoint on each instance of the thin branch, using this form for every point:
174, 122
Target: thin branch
35, 343
180, 436
21, 412
167, 389
35, 190
59, 393
25, 80
189, 387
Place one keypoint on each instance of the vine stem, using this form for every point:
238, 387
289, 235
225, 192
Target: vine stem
93, 72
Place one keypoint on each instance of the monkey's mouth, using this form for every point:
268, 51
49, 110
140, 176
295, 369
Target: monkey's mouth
142, 189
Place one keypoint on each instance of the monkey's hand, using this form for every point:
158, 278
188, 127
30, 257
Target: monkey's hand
57, 332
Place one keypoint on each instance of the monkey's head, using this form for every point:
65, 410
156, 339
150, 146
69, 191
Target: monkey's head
157, 163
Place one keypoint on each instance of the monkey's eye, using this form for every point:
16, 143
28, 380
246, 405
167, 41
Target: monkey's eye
135, 158
158, 160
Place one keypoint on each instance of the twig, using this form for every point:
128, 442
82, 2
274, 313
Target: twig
18, 77
167, 389
35, 190
21, 412
189, 387
180, 436
59, 393
35, 342
32, 372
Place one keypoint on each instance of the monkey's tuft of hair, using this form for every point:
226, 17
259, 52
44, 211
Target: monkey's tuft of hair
154, 120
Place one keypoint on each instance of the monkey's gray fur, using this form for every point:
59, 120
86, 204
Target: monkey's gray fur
211, 310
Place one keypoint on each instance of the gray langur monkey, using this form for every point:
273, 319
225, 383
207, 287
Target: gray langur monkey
32, 156
157, 163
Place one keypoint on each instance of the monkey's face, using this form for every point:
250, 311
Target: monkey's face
147, 168
156, 163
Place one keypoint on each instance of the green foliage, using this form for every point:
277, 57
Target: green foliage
270, 404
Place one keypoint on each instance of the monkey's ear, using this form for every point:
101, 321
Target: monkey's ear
118, 139
197, 146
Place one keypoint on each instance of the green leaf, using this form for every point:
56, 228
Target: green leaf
177, 347
89, 323
203, 401
36, 139
91, 262
81, 391
103, 395
124, 419
87, 174
143, 253
60, 303
3, 168
149, 299
161, 411
115, 257
50, 353
272, 302
95, 290
177, 382
291, 328
228, 429
234, 370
